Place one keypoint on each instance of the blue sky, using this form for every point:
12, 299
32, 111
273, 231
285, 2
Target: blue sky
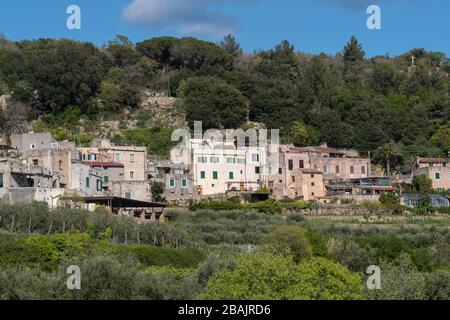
311, 25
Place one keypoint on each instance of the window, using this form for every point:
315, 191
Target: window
214, 159
172, 183
131, 157
83, 157
241, 160
337, 169
202, 174
54, 145
60, 165
88, 182
127, 195
35, 162
313, 184
231, 160
437, 176
312, 193
99, 185
117, 157
1, 180
131, 174
106, 179
231, 175
363, 169
215, 175
291, 165
32, 146
293, 178
202, 159
280, 170
352, 169
325, 169
255, 157
184, 183
312, 175
301, 164
257, 170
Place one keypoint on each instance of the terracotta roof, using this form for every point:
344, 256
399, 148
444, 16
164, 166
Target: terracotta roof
104, 164
433, 160
318, 149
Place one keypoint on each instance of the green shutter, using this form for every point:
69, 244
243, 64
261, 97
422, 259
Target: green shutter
215, 175
202, 175
231, 175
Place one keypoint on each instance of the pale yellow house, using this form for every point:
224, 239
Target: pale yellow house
436, 169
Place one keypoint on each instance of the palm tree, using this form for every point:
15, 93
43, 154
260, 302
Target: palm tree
387, 153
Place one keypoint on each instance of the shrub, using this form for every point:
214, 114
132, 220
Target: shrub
262, 277
351, 255
399, 282
156, 256
289, 239
438, 285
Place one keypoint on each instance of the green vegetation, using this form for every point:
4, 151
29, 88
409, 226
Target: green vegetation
382, 104
215, 254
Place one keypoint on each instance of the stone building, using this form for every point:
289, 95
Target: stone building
131, 157
305, 184
178, 182
436, 169
333, 163
32, 141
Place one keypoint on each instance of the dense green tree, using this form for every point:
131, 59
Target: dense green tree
353, 51
214, 102
62, 72
122, 51
302, 135
388, 154
441, 138
400, 282
289, 239
422, 185
270, 277
230, 45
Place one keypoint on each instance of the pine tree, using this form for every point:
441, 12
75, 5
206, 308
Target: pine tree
353, 51
230, 45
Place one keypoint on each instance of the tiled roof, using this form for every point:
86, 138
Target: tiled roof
433, 160
104, 164
318, 149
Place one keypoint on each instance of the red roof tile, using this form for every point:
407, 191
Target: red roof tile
104, 164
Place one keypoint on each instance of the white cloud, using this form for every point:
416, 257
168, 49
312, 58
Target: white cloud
189, 17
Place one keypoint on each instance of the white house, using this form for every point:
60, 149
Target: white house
218, 167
